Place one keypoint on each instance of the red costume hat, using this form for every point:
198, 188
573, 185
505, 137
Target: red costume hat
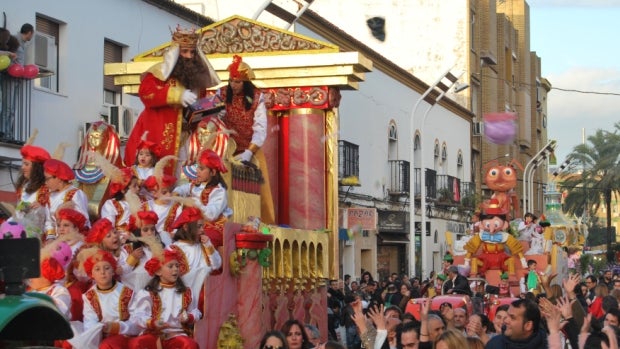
148, 218
210, 159
240, 70
167, 181
34, 153
52, 270
494, 209
59, 169
155, 263
188, 215
99, 256
73, 216
118, 184
153, 147
99, 230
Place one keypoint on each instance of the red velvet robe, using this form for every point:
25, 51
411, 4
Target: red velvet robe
162, 117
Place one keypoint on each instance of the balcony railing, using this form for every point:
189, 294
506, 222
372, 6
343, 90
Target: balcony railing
431, 183
15, 101
449, 189
468, 195
399, 177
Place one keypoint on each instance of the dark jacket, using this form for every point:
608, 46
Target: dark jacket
460, 286
538, 340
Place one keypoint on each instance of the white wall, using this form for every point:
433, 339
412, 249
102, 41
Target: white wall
132, 23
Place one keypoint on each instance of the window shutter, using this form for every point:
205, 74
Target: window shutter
112, 53
46, 26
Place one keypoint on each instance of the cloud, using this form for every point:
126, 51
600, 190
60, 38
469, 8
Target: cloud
573, 3
571, 112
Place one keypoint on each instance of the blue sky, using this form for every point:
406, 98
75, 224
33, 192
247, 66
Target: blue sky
578, 42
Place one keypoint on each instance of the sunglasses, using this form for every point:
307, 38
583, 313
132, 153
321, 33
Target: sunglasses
271, 347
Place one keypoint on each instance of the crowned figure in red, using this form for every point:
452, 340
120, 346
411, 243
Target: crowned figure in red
166, 89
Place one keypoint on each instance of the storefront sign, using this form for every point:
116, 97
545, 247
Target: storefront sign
366, 218
393, 222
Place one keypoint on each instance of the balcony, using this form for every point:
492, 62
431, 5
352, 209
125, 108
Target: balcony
448, 189
348, 164
15, 99
399, 177
431, 183
469, 198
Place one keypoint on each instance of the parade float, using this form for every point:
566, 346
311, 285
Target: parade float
492, 253
273, 273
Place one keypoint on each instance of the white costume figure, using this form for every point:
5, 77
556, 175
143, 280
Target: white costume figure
58, 198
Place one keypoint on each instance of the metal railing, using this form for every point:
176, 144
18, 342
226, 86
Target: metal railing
399, 177
15, 109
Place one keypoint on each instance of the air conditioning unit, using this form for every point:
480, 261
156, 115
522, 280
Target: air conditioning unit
477, 128
45, 52
122, 118
349, 243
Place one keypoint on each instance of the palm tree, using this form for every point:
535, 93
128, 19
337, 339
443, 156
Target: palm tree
595, 178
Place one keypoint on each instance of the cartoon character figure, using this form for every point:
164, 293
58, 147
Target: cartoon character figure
493, 238
503, 180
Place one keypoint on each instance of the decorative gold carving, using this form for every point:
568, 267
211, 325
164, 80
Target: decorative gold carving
240, 35
298, 260
331, 180
229, 336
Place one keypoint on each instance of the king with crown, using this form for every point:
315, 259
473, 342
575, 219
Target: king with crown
166, 89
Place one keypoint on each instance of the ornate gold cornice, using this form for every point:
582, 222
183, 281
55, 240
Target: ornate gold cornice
279, 58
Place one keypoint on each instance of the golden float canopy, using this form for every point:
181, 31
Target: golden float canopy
278, 57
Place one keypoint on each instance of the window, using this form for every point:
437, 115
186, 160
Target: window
436, 150
348, 159
416, 142
459, 159
392, 142
46, 41
112, 53
444, 152
392, 132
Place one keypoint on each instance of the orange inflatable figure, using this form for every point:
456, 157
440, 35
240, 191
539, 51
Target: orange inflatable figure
503, 181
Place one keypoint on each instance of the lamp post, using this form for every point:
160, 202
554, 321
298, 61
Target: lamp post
549, 147
443, 88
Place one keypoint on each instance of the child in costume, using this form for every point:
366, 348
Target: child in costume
32, 193
198, 256
528, 227
116, 209
146, 158
531, 281
108, 306
504, 286
166, 307
52, 274
209, 190
167, 210
144, 243
58, 177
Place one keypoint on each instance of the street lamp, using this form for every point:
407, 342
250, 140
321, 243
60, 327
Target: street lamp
442, 88
549, 147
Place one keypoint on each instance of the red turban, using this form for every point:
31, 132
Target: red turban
59, 169
188, 215
148, 217
167, 180
34, 153
116, 186
210, 159
73, 216
154, 264
52, 270
99, 256
99, 230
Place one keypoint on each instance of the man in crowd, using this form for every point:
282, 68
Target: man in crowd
456, 283
522, 328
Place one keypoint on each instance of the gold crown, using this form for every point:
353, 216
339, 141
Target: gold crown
185, 37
